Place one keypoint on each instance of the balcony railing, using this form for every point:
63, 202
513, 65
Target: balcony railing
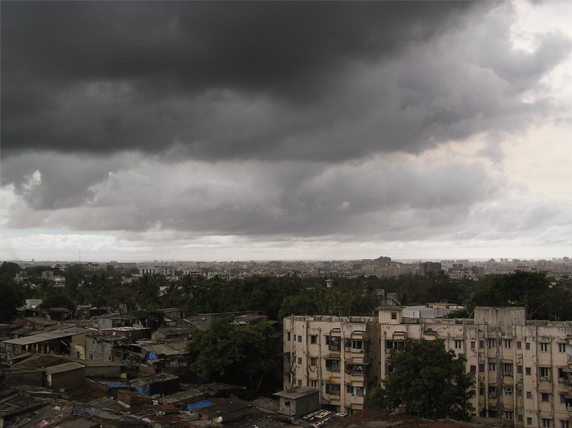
358, 400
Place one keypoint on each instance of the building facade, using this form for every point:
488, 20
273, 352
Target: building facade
337, 355
523, 369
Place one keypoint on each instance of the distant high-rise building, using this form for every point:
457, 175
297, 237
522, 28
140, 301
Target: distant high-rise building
426, 267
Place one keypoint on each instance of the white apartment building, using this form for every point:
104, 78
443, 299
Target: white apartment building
523, 368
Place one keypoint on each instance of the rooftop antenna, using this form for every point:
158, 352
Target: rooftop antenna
80, 255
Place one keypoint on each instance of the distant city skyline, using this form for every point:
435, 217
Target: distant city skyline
286, 130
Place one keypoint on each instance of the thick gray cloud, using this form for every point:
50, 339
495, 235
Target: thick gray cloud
266, 80
270, 120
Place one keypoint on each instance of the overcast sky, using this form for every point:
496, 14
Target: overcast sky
286, 130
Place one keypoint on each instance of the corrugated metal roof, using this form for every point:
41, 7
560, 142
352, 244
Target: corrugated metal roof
63, 368
51, 335
177, 348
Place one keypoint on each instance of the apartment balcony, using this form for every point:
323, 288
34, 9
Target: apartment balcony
358, 400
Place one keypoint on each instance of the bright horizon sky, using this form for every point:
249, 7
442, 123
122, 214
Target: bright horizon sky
286, 131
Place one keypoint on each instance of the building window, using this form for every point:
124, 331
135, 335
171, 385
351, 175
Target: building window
544, 348
334, 343
492, 413
507, 343
507, 368
394, 315
332, 389
299, 361
300, 339
492, 367
313, 361
508, 416
528, 371
492, 343
300, 382
527, 346
528, 421
481, 391
349, 389
473, 369
357, 344
544, 371
564, 424
519, 392
458, 344
519, 369
561, 347
473, 343
545, 397
508, 392
294, 338
314, 383
288, 336
481, 344
333, 365
518, 344
360, 391
492, 392
529, 395
520, 418
562, 399
313, 339
546, 423
481, 368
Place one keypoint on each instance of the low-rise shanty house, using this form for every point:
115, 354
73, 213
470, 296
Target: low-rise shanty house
84, 313
80, 423
102, 369
17, 408
167, 357
100, 347
133, 398
116, 320
162, 384
203, 321
298, 401
56, 314
65, 376
110, 387
228, 410
183, 398
133, 333
52, 342
174, 313
250, 319
110, 419
168, 333
19, 375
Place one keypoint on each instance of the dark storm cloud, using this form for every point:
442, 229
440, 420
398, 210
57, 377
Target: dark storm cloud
261, 199
108, 76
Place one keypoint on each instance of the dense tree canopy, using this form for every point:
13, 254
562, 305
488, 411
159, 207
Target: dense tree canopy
427, 381
543, 297
238, 354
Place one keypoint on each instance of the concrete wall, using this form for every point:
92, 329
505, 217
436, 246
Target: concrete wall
66, 380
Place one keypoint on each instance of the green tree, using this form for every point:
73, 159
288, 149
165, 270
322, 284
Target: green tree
239, 354
60, 300
13, 296
428, 381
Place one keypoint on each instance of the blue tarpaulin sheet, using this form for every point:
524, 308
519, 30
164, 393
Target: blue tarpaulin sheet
114, 384
199, 405
143, 389
152, 356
